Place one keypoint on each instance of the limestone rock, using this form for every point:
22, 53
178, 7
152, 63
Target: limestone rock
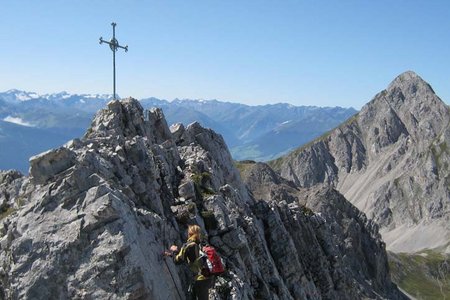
338, 244
391, 160
46, 165
98, 213
10, 185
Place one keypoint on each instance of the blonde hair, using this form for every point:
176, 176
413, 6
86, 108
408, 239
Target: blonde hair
194, 232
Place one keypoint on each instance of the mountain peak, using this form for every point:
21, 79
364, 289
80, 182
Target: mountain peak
407, 75
410, 82
391, 160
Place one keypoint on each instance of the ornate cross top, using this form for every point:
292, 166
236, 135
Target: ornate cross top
114, 45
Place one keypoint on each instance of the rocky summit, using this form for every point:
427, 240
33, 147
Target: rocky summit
94, 217
392, 161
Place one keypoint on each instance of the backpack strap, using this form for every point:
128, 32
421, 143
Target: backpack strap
189, 252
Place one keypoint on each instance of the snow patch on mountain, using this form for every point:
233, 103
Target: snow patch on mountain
17, 121
286, 122
15, 95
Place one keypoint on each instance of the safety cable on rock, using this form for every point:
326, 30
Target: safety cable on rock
165, 262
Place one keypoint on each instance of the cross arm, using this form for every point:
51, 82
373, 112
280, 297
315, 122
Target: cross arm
123, 47
101, 41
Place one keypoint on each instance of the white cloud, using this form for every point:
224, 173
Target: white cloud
18, 121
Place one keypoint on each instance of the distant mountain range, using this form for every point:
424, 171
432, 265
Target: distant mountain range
260, 132
33, 123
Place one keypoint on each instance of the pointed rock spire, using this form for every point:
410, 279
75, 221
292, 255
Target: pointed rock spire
409, 83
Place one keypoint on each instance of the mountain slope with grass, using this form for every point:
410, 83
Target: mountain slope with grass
425, 274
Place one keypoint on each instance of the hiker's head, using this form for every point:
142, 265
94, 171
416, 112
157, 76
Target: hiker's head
194, 232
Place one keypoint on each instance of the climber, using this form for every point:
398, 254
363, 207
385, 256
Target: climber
190, 253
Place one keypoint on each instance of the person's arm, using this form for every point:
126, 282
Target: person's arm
179, 256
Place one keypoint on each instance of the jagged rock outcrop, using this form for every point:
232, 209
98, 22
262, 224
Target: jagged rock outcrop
392, 161
352, 246
92, 221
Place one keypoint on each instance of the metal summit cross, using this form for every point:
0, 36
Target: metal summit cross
114, 45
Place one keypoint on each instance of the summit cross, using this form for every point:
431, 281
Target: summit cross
114, 45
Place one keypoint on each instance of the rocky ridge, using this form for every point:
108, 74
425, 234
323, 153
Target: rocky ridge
392, 161
93, 218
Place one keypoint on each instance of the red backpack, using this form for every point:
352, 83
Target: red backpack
212, 263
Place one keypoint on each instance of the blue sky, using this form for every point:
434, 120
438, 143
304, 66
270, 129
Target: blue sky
324, 53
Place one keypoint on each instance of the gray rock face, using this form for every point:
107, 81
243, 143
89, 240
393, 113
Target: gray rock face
48, 164
95, 216
340, 247
10, 184
391, 161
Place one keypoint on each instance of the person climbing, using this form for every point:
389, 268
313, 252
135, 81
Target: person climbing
190, 253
